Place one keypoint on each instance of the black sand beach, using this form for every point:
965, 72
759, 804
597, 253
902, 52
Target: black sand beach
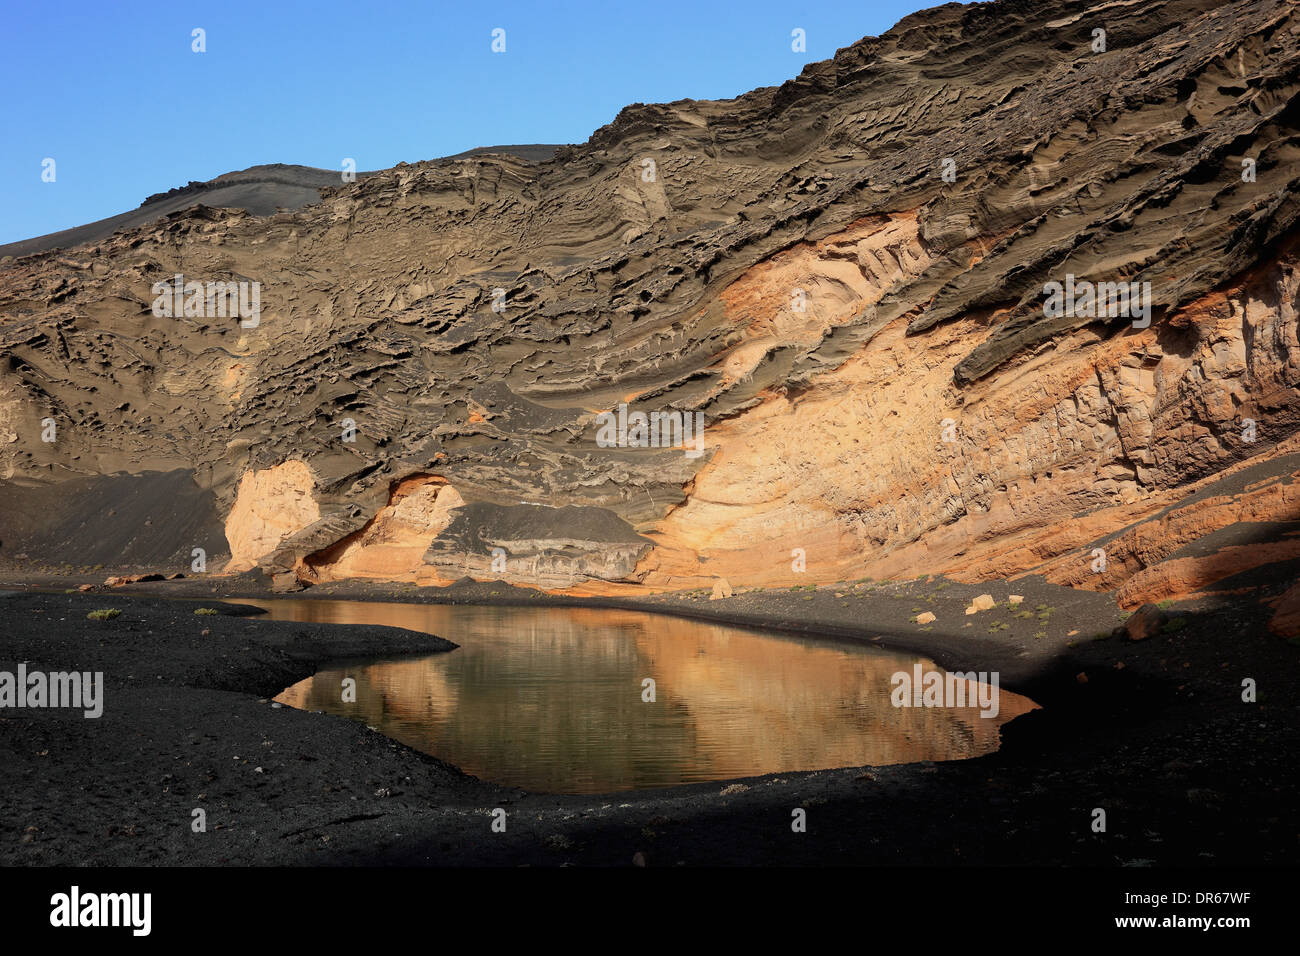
1155, 732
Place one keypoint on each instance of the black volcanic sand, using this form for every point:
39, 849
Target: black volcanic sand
1154, 732
150, 520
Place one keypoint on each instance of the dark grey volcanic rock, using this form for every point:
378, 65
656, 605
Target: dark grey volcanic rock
555, 547
259, 190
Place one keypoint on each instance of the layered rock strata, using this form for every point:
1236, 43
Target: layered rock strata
845, 275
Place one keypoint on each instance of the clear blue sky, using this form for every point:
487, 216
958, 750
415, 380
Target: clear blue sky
111, 90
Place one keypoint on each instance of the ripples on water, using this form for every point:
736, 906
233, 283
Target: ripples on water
549, 699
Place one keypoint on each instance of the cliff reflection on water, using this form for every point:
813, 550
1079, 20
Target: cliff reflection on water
549, 699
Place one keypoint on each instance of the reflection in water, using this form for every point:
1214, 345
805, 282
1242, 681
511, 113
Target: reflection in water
549, 699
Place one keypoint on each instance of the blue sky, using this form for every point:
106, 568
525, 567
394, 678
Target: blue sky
111, 90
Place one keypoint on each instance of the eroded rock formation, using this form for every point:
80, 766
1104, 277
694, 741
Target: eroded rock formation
845, 274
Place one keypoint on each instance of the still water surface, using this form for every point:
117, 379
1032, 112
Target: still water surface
550, 699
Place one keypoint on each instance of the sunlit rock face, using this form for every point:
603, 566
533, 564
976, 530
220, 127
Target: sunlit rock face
270, 506
391, 546
1134, 443
845, 275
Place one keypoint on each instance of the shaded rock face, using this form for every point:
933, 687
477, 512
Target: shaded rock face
550, 547
1286, 618
845, 275
1144, 623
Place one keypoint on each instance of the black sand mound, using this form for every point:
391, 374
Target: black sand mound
260, 190
152, 521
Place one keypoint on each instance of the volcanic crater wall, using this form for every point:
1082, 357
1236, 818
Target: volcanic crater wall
845, 274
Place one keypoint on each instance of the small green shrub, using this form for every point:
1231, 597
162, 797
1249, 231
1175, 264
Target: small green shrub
206, 610
104, 614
